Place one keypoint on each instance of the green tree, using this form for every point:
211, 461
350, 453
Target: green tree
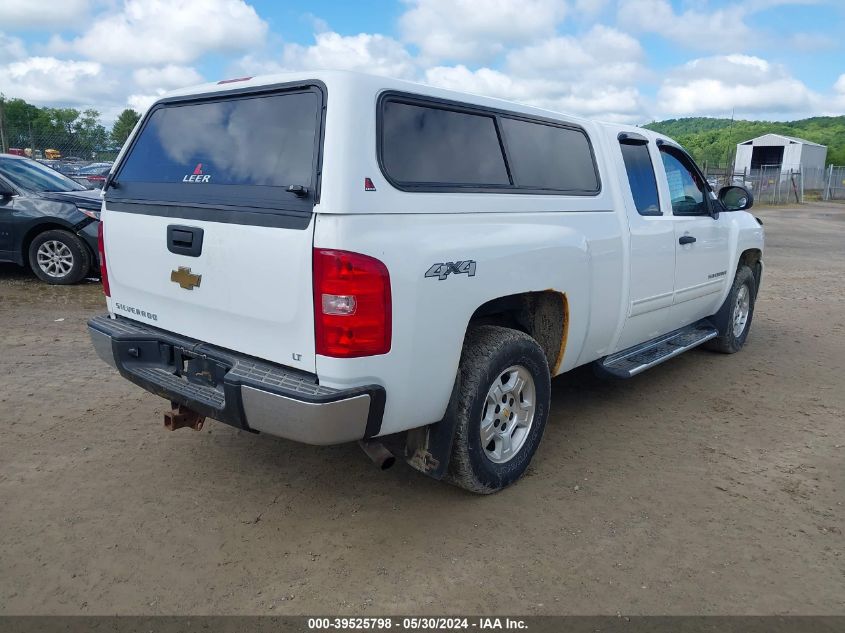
89, 133
54, 128
123, 126
17, 115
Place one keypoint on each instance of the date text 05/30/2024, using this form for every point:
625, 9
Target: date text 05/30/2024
416, 624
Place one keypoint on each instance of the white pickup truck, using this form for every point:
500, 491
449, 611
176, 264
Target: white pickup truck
331, 257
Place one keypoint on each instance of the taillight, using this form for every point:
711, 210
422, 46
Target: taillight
352, 306
101, 250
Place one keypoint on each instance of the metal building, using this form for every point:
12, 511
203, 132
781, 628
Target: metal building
773, 152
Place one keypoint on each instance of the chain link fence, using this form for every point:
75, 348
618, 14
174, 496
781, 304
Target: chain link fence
85, 157
774, 184
771, 184
835, 185
58, 145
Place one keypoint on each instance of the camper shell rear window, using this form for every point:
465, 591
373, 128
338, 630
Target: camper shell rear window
427, 144
239, 151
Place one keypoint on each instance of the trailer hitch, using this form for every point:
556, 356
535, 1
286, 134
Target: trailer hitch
181, 416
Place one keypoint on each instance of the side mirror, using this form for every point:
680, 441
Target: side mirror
5, 191
736, 198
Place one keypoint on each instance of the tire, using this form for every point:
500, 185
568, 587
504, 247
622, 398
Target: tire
490, 354
59, 257
733, 329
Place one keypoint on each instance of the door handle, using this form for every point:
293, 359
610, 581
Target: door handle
184, 240
686, 239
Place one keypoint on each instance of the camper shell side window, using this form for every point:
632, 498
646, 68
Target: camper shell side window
434, 145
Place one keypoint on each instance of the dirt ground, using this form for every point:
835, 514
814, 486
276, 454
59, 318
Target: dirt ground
709, 485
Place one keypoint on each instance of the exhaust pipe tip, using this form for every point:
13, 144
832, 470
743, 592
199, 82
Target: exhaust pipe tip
388, 463
378, 453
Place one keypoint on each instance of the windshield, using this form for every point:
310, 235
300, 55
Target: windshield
33, 176
102, 169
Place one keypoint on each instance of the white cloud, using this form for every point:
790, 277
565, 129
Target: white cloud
714, 29
810, 42
835, 105
469, 30
580, 97
141, 102
167, 77
610, 103
47, 80
152, 32
588, 8
486, 81
592, 75
717, 85
11, 48
31, 14
602, 55
371, 53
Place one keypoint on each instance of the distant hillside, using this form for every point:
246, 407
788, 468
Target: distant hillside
714, 140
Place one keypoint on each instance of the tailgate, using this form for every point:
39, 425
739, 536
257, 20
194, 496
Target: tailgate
202, 235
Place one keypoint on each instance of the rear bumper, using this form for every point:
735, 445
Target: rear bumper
239, 390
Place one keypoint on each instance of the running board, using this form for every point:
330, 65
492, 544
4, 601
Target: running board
637, 359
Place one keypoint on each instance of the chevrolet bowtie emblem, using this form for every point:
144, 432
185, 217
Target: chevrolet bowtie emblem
185, 278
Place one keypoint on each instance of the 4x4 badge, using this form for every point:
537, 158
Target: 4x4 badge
442, 270
185, 278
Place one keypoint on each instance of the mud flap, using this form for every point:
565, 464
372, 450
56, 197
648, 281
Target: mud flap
428, 449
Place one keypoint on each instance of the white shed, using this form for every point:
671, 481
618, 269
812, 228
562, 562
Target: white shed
786, 152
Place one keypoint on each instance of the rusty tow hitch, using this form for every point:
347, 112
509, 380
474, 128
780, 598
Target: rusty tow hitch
181, 416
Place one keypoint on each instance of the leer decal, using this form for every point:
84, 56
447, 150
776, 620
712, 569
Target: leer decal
197, 176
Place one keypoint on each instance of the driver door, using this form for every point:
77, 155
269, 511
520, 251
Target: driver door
702, 254
652, 242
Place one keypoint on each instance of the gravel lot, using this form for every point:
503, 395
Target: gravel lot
711, 484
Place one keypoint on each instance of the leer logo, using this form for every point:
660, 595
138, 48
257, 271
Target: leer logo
197, 176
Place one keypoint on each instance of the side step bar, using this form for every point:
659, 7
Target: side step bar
635, 360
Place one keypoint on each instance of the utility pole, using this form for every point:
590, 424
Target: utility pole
3, 146
31, 140
732, 146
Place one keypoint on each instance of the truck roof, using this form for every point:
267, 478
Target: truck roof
348, 80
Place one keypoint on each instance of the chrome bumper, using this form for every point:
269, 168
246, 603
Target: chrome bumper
236, 389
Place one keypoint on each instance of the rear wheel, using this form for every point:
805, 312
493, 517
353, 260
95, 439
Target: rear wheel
501, 406
59, 257
733, 320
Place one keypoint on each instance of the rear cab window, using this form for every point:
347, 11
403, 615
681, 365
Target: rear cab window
640, 171
233, 152
426, 145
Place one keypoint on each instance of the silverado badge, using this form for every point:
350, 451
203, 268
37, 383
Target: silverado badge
185, 278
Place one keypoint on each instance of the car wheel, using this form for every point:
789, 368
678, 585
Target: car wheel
500, 407
59, 257
733, 320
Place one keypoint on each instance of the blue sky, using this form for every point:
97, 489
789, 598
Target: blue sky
626, 60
